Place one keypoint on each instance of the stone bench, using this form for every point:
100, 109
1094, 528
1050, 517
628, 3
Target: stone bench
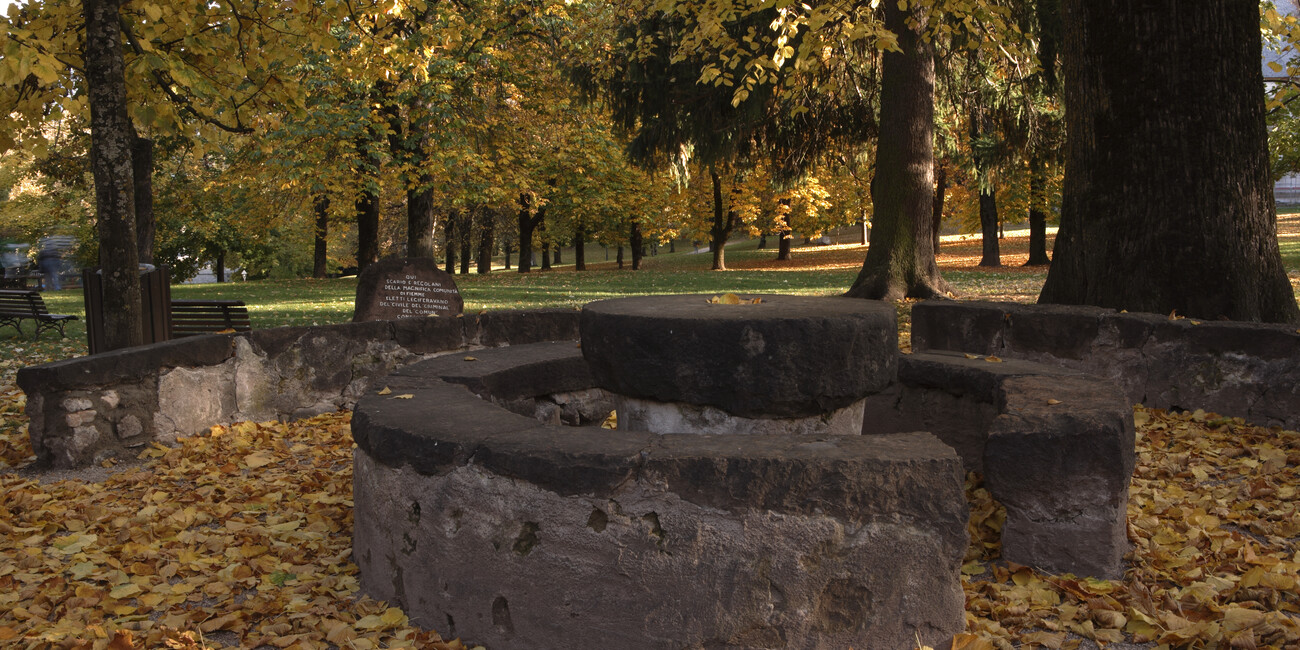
495, 527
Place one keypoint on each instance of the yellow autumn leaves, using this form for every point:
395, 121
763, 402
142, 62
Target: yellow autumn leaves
237, 538
1214, 526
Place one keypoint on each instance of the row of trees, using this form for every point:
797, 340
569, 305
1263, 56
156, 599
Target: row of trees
503, 125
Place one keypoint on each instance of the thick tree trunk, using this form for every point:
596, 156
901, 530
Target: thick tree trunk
449, 240
1037, 215
420, 226
527, 224
989, 228
556, 259
466, 233
110, 162
762, 241
940, 192
620, 257
506, 249
367, 228
486, 240
900, 260
579, 249
785, 235
635, 243
723, 222
320, 259
142, 180
1168, 203
219, 266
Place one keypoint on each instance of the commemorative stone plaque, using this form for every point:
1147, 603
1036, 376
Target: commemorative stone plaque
405, 287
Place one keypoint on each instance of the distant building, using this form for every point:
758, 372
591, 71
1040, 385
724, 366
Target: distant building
1287, 190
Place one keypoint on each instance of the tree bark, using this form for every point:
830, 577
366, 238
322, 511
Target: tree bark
506, 249
449, 238
785, 236
466, 232
579, 249
556, 259
527, 224
1037, 215
940, 192
1168, 203
619, 258
900, 259
142, 180
111, 164
367, 228
486, 236
546, 246
320, 259
722, 225
420, 226
635, 243
219, 266
989, 234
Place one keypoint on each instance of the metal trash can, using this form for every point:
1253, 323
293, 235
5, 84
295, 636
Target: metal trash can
155, 299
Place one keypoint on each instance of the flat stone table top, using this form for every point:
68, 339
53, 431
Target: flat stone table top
786, 356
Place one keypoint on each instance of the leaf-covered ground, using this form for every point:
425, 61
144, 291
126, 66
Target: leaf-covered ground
241, 537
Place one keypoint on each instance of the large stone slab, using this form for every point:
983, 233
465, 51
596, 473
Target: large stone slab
405, 287
788, 356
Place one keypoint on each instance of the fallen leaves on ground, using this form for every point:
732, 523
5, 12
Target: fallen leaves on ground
1215, 530
242, 537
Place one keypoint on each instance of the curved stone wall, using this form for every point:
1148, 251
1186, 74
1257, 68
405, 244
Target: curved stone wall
85, 409
518, 534
1247, 370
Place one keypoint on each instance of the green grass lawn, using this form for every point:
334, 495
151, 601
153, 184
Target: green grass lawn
816, 271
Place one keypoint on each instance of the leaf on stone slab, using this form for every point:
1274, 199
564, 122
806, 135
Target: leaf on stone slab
992, 359
385, 391
471, 358
1053, 402
404, 396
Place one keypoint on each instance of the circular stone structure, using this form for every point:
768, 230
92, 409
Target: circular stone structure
777, 357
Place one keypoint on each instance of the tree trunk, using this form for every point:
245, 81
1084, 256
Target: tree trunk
556, 259
466, 232
1037, 215
722, 225
785, 236
420, 225
320, 260
142, 180
219, 266
989, 228
762, 241
1168, 202
527, 222
486, 236
579, 249
940, 192
620, 257
506, 250
635, 243
449, 238
367, 228
110, 161
546, 246
900, 260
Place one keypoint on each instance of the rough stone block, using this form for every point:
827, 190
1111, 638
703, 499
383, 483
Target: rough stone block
813, 544
788, 356
1060, 458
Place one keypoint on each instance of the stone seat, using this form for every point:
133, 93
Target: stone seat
509, 532
1056, 447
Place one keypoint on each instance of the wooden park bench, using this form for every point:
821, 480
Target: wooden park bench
17, 305
194, 317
